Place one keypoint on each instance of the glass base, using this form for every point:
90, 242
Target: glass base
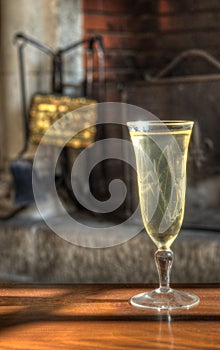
169, 300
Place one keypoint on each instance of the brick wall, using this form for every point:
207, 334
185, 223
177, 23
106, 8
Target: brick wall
143, 36
113, 20
167, 27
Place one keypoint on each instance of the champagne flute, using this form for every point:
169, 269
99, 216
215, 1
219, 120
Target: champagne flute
161, 149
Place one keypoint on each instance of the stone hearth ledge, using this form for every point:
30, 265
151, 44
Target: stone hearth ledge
31, 252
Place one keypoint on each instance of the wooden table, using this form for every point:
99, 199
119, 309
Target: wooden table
100, 317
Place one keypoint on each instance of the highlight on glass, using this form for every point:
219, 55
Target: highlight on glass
161, 149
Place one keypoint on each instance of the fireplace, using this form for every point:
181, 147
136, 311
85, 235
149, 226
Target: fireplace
165, 57
142, 43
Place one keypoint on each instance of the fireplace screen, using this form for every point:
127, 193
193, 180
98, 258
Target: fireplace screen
191, 97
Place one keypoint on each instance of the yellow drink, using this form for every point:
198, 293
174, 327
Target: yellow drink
161, 166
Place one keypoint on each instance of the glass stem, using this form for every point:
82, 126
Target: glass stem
164, 260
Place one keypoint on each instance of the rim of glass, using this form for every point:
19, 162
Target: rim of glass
166, 121
145, 125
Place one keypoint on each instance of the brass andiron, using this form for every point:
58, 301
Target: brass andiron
47, 109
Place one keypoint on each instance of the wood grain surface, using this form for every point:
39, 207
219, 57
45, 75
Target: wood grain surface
100, 317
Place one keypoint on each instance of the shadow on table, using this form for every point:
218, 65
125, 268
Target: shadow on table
38, 304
